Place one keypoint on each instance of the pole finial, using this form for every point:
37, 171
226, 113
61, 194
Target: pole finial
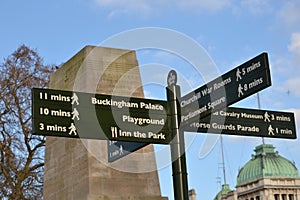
172, 78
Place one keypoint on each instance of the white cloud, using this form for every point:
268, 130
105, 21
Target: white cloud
285, 69
256, 7
294, 46
203, 5
146, 7
125, 6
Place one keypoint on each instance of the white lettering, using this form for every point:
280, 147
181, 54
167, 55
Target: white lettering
247, 128
230, 114
193, 114
160, 136
283, 118
286, 131
56, 128
253, 67
194, 98
60, 113
212, 105
251, 116
222, 83
255, 83
60, 97
142, 121
150, 106
111, 102
206, 91
223, 126
200, 125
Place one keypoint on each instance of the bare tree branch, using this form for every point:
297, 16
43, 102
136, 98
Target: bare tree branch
21, 153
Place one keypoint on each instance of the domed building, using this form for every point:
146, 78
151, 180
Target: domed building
267, 176
224, 191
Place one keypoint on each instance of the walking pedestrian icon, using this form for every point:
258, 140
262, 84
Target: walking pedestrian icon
240, 91
75, 114
270, 130
72, 129
238, 75
267, 117
121, 150
75, 99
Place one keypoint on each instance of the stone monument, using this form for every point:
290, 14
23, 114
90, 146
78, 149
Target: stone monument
77, 169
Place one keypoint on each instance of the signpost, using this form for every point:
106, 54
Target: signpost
233, 86
177, 145
125, 120
104, 117
247, 122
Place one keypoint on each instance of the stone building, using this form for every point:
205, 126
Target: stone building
267, 176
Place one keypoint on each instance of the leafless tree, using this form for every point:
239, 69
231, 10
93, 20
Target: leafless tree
21, 153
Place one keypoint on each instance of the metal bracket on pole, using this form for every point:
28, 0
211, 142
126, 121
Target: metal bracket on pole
177, 145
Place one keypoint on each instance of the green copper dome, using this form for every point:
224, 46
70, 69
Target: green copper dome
225, 190
266, 163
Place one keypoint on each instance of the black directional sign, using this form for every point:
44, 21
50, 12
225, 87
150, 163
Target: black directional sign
233, 86
119, 149
247, 122
95, 116
129, 124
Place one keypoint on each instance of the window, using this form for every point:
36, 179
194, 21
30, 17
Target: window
291, 197
283, 197
276, 196
257, 198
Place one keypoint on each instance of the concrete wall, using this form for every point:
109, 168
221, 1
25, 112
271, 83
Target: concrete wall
77, 168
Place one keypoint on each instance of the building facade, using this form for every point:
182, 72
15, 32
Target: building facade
267, 176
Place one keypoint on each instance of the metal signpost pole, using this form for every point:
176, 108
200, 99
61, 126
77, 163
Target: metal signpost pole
177, 144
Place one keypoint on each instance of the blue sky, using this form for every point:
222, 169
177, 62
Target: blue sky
230, 31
